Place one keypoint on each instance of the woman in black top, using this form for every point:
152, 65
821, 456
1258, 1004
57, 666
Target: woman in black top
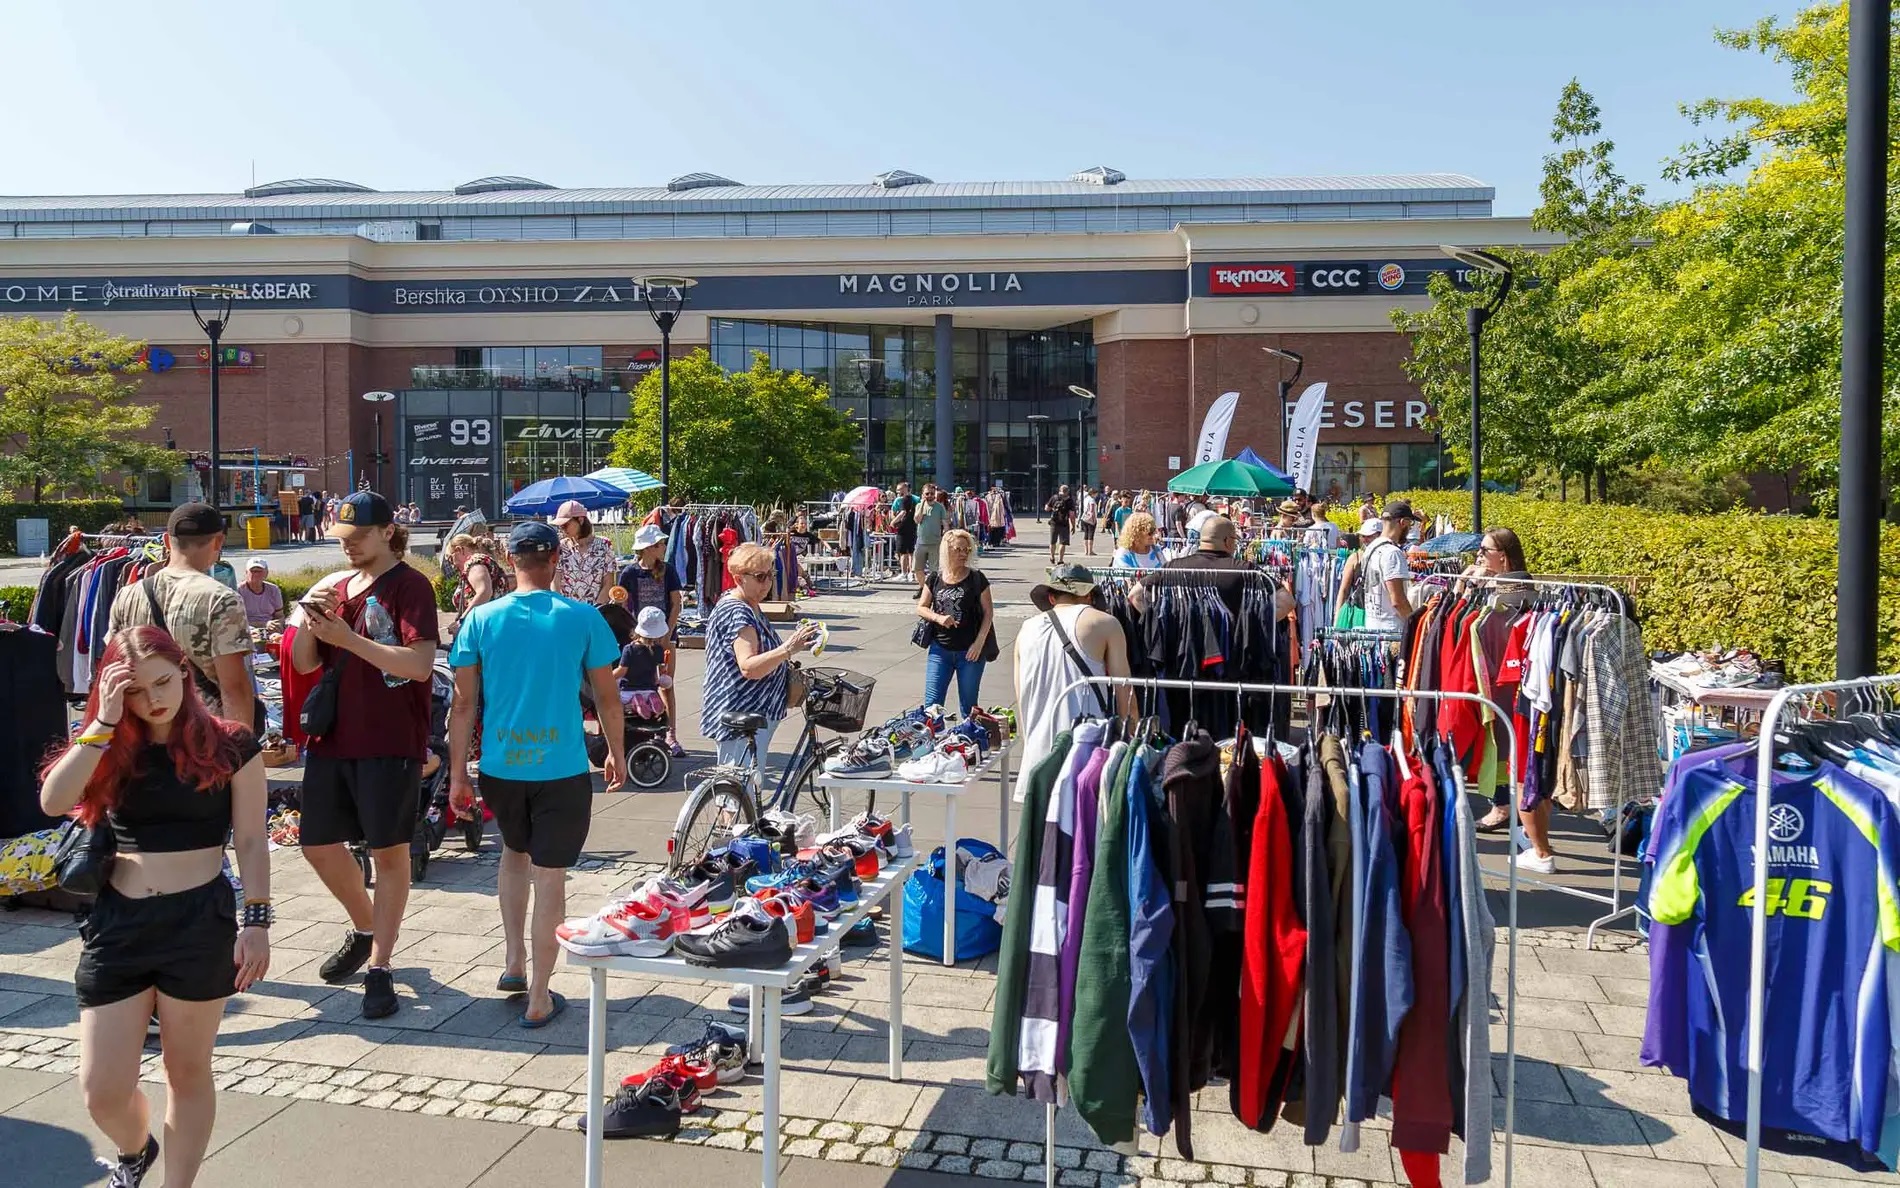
170, 781
956, 602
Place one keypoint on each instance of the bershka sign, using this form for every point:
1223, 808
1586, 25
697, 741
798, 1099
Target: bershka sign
1250, 278
606, 293
929, 288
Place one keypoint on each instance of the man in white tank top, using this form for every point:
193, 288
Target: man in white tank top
1045, 665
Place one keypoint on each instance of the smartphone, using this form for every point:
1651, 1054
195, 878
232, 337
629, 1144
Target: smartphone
314, 609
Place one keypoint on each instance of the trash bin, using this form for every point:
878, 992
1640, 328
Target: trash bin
257, 532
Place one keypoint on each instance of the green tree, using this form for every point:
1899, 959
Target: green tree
67, 407
754, 436
1551, 397
1728, 329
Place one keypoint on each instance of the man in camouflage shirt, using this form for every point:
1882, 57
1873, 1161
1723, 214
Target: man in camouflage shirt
201, 613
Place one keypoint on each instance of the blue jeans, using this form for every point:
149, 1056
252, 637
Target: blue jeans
939, 663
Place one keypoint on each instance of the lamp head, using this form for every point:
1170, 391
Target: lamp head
1473, 258
379, 397
1282, 353
1081, 391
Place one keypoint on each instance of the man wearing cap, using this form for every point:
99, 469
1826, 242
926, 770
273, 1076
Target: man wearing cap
1072, 638
203, 614
263, 600
652, 584
373, 625
1387, 576
524, 658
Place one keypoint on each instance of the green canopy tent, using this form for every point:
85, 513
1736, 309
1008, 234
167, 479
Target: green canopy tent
1230, 479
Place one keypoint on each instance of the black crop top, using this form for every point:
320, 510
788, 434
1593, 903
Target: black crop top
161, 814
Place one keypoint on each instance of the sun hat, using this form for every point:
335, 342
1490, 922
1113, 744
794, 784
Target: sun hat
1065, 579
571, 510
651, 624
648, 536
257, 563
1371, 527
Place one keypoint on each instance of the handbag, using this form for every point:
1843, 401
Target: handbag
82, 857
925, 632
797, 686
318, 716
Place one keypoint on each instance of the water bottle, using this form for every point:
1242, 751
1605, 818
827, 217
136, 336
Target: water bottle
377, 625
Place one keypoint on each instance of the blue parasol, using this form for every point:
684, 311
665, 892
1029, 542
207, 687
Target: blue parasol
546, 497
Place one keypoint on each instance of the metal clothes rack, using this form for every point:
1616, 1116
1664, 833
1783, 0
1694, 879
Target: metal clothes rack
1511, 877
1758, 914
1618, 908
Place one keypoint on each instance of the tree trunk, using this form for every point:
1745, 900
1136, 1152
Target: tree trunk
1563, 486
1603, 484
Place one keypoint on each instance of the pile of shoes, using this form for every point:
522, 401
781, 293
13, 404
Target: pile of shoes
649, 1104
773, 887
922, 746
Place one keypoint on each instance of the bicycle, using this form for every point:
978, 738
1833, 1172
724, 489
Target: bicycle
728, 799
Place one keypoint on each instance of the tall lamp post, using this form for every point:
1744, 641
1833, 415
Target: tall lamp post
1036, 422
1475, 318
1286, 387
1081, 437
376, 401
582, 377
219, 299
665, 297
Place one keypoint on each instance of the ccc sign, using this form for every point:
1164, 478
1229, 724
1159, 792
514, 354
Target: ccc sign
1335, 278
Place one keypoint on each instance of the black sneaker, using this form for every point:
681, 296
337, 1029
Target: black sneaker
379, 995
651, 1110
129, 1173
862, 935
796, 1001
349, 957
747, 938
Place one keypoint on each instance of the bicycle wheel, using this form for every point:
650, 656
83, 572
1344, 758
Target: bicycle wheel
711, 815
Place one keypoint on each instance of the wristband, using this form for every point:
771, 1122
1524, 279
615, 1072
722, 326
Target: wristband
258, 915
96, 741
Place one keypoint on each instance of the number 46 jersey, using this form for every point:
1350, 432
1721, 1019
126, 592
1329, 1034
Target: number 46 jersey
1833, 919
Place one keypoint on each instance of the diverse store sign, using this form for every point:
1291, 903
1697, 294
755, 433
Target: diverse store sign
451, 463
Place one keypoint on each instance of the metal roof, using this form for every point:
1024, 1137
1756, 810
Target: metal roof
305, 185
500, 183
730, 197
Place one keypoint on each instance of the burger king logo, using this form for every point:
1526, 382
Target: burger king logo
1391, 277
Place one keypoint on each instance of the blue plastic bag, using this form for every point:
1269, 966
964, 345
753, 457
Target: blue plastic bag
977, 932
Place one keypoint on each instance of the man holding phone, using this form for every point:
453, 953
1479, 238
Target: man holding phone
374, 625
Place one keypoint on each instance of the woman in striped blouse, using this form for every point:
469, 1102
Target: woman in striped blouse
745, 660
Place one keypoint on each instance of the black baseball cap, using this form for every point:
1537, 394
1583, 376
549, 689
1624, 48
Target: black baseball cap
194, 521
532, 537
362, 509
1398, 509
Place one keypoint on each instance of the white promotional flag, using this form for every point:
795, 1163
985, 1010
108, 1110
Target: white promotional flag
1213, 443
1302, 439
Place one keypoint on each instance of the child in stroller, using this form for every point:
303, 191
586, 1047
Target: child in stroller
434, 814
648, 763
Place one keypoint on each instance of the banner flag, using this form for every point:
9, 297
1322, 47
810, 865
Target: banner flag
1302, 440
1213, 442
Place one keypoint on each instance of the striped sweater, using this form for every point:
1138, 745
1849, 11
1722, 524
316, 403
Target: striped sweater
1037, 1047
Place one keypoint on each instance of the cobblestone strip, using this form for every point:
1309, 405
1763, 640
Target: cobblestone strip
737, 1130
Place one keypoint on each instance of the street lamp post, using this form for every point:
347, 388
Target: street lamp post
1286, 388
376, 401
219, 297
1036, 422
665, 297
1475, 318
582, 377
1081, 437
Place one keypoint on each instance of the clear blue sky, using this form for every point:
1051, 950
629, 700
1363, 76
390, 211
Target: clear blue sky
113, 96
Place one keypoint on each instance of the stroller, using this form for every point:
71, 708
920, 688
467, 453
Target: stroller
434, 815
648, 761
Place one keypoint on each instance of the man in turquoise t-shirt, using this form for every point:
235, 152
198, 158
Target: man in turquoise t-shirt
522, 659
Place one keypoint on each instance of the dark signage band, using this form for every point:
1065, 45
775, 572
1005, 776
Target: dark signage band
1324, 278
911, 289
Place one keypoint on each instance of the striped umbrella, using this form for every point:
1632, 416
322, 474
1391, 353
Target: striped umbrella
626, 479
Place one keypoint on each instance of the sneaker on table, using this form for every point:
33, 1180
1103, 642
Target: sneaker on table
640, 928
748, 937
867, 757
793, 1002
893, 838
794, 830
950, 763
791, 905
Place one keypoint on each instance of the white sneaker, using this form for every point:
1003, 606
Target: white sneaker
938, 767
1528, 861
802, 828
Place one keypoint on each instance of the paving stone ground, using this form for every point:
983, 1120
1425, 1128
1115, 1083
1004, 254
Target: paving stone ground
467, 1098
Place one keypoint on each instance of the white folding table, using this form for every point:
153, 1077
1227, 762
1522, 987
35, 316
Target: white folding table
763, 1021
997, 765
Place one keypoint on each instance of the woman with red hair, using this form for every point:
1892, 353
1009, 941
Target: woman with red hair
170, 781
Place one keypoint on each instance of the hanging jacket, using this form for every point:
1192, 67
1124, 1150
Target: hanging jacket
1038, 1049
1103, 1074
1151, 997
1240, 802
1421, 1100
1012, 959
1202, 859
1471, 1027
1274, 959
1320, 1010
1087, 819
1382, 949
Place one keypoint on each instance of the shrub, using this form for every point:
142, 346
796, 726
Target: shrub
88, 515
1733, 580
16, 602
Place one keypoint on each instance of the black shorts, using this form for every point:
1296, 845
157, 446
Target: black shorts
1088, 529
373, 801
545, 819
182, 943
1059, 532
906, 540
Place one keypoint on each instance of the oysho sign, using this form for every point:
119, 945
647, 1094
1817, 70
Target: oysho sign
606, 293
929, 288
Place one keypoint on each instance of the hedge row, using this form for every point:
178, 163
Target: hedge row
88, 515
1737, 579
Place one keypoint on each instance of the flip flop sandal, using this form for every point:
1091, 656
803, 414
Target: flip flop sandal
512, 983
560, 1005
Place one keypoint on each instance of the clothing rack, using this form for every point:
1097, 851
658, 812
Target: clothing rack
1510, 876
1618, 909
1758, 913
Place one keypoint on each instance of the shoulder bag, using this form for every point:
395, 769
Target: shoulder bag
1081, 665
82, 856
922, 635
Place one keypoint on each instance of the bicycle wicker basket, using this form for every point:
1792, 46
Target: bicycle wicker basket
839, 698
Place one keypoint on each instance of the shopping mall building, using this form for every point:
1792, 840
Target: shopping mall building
938, 314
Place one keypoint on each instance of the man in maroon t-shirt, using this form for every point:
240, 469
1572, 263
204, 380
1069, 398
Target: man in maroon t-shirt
374, 623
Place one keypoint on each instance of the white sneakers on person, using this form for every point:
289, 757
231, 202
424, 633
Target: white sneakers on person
1529, 862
